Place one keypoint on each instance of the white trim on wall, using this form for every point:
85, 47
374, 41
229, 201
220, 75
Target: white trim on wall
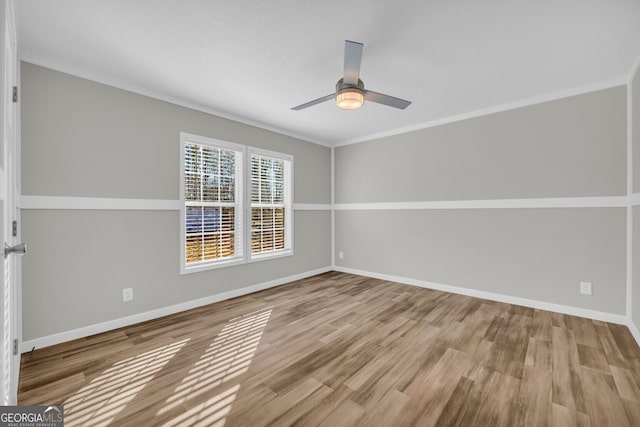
629, 264
542, 305
2, 178
634, 68
629, 260
629, 140
99, 203
634, 199
108, 203
333, 206
160, 312
556, 202
311, 207
492, 110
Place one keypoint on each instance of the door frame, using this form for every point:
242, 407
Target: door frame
11, 308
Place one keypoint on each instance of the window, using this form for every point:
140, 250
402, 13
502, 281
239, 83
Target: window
213, 198
212, 203
270, 204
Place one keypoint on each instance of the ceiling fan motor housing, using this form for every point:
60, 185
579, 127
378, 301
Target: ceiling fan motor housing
341, 86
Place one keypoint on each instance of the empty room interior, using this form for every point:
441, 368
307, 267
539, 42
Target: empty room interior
322, 213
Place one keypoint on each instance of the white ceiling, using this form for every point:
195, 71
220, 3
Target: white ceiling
252, 60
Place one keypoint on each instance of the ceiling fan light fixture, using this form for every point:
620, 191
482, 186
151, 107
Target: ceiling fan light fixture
350, 99
349, 96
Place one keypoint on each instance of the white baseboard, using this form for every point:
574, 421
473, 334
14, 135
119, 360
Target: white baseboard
165, 311
160, 312
558, 308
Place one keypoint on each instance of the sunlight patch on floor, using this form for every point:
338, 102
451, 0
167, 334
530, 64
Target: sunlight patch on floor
228, 356
99, 402
212, 413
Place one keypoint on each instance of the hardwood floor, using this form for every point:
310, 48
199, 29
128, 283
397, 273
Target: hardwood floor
342, 350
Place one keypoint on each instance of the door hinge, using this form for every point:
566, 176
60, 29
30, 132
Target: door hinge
15, 94
14, 228
15, 346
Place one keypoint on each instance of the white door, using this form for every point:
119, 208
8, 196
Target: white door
11, 330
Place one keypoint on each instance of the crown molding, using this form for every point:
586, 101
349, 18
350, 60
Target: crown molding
581, 90
134, 88
120, 84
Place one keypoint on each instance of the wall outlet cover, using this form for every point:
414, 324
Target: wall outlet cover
585, 288
127, 294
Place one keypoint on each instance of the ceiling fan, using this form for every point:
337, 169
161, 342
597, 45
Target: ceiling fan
350, 92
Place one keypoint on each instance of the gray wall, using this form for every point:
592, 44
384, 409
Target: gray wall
567, 148
539, 254
635, 275
81, 138
635, 123
573, 147
635, 132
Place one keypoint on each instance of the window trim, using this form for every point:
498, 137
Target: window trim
240, 256
243, 220
288, 205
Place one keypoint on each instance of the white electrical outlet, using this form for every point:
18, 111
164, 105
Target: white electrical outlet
585, 288
127, 294
341, 255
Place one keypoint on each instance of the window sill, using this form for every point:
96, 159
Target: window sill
236, 261
204, 267
271, 255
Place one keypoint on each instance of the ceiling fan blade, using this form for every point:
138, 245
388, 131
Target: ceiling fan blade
381, 98
314, 102
352, 60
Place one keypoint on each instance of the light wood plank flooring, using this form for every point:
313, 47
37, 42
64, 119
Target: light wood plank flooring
342, 350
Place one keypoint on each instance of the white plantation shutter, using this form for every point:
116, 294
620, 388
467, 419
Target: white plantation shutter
271, 214
212, 195
213, 221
